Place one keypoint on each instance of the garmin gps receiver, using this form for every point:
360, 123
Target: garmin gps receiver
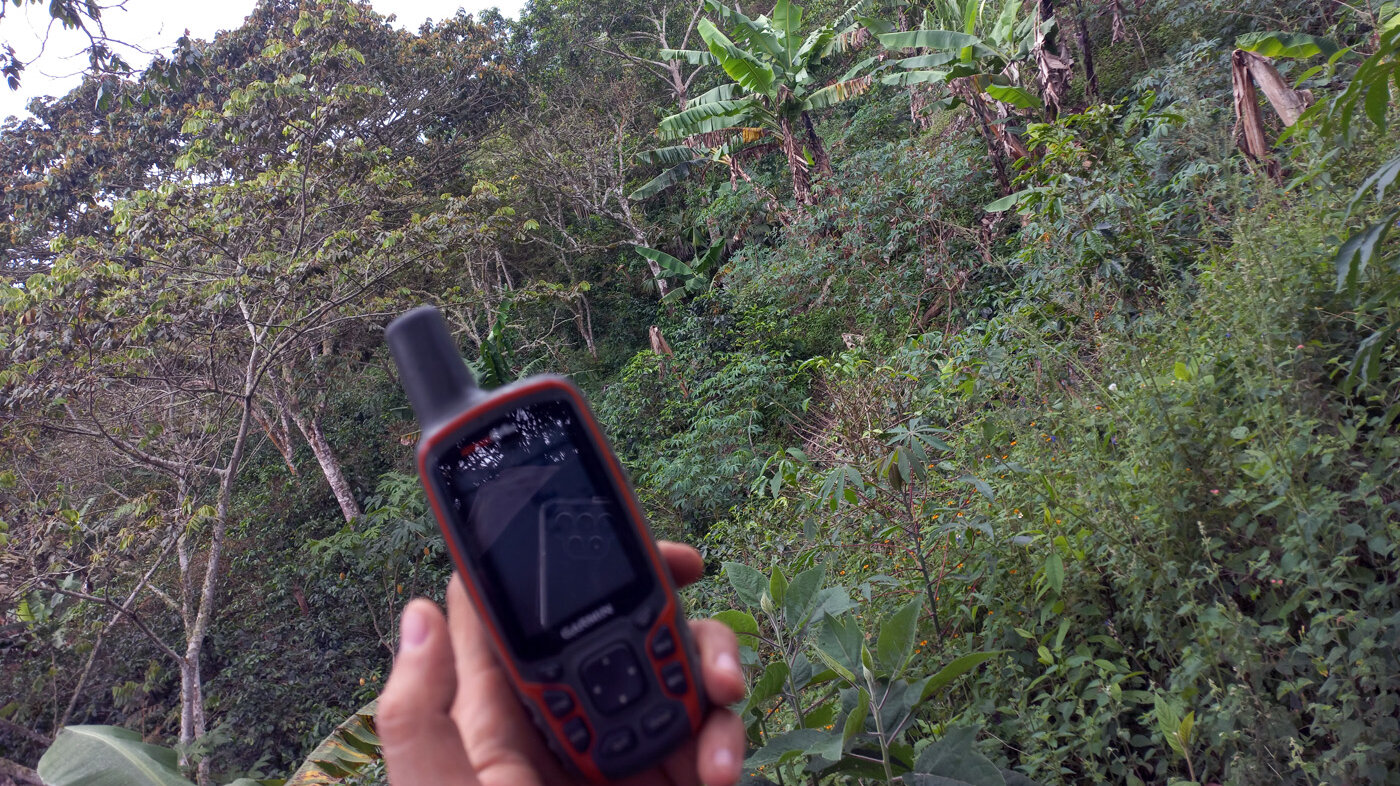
556, 557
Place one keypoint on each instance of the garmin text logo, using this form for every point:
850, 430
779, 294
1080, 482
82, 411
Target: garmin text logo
587, 621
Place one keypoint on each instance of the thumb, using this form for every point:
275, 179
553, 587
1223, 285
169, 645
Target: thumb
422, 746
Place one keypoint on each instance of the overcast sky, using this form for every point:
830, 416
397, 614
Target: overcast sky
153, 26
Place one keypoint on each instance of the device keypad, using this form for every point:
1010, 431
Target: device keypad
635, 691
613, 679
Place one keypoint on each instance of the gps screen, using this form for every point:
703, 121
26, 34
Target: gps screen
534, 508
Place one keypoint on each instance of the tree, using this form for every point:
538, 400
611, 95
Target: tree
980, 65
644, 47
232, 292
769, 104
84, 16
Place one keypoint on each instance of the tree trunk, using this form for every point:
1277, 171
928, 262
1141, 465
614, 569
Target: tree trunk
679, 86
797, 165
819, 155
1086, 51
19, 773
639, 238
992, 134
310, 428
191, 703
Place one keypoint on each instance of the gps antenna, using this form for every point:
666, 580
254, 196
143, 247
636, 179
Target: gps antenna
438, 382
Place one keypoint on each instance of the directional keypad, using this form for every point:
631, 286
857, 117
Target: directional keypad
613, 680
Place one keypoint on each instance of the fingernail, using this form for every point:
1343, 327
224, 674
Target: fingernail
724, 758
414, 630
726, 662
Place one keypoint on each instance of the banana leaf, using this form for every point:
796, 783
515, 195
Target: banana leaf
107, 756
350, 748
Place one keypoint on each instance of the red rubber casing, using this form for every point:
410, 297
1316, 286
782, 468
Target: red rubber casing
524, 675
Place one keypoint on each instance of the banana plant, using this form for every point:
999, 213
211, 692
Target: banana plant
976, 49
686, 279
768, 105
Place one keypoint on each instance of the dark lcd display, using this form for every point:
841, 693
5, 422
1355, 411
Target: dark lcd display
536, 513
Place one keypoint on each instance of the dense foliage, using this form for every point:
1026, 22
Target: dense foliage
1027, 373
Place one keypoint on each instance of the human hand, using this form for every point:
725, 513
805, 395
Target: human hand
449, 717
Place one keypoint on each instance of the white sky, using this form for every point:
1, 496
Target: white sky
153, 25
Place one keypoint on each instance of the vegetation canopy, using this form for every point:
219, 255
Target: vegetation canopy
1027, 372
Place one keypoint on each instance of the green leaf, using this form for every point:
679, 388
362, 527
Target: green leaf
662, 181
981, 486
691, 56
741, 622
840, 92
676, 154
855, 722
1005, 203
1168, 719
747, 582
787, 20
942, 40
1378, 102
831, 601
786, 747
666, 262
725, 92
802, 595
955, 756
897, 634
1380, 180
840, 642
742, 67
1293, 45
1055, 573
957, 668
777, 586
1015, 96
911, 78
928, 61
691, 121
107, 756
347, 750
1355, 254
1366, 363
767, 686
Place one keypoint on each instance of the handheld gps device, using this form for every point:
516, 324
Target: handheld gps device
555, 555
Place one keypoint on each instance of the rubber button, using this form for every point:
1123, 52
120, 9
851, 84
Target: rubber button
673, 677
577, 734
657, 720
616, 743
558, 702
663, 644
613, 680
